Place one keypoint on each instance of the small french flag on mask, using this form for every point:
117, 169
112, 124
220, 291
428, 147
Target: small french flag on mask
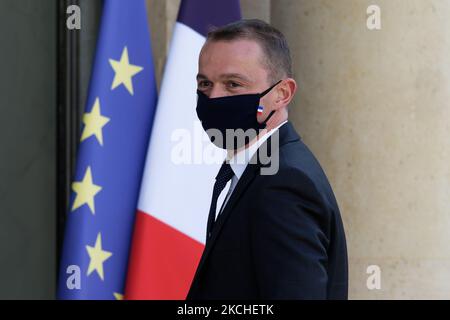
260, 109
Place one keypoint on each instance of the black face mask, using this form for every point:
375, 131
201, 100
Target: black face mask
234, 113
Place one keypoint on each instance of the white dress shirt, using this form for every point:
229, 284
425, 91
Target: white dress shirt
238, 162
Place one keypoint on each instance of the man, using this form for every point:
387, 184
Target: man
270, 236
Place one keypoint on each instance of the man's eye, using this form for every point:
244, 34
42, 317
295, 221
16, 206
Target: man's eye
203, 84
233, 84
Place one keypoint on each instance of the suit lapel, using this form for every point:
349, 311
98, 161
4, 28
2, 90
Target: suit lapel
248, 175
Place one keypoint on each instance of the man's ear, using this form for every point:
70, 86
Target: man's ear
285, 93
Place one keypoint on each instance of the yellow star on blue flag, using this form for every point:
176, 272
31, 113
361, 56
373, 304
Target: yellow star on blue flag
124, 71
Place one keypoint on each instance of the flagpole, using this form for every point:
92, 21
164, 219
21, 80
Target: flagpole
68, 117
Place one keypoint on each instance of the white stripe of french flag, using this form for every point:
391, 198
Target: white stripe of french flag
174, 200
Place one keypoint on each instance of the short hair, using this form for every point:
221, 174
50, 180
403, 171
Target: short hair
277, 58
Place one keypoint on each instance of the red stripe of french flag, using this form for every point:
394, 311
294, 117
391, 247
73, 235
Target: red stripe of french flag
163, 261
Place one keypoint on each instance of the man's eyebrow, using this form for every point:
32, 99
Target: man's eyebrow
201, 76
226, 76
235, 76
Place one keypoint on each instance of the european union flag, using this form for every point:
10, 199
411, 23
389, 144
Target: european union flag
116, 128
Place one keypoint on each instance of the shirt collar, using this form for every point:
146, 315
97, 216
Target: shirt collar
239, 161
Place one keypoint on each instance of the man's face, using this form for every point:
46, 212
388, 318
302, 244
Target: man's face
235, 67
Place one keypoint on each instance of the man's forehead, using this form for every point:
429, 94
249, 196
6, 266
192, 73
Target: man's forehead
241, 49
238, 59
225, 76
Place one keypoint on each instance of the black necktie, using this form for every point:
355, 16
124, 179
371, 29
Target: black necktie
224, 175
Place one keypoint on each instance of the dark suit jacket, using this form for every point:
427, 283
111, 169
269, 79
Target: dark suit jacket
279, 236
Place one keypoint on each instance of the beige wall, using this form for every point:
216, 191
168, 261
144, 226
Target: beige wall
374, 108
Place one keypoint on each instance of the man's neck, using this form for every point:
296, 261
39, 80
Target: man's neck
232, 153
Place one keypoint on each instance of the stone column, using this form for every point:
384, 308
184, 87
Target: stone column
162, 15
252, 9
374, 108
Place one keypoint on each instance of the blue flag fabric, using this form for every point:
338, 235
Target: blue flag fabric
113, 144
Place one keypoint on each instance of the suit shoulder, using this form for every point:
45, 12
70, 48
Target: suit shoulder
300, 171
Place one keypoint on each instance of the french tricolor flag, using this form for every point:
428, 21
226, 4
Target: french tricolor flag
260, 109
174, 200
